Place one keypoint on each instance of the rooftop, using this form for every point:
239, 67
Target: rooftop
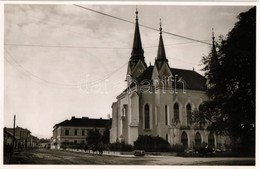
85, 122
192, 79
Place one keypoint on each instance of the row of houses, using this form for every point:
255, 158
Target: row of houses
19, 138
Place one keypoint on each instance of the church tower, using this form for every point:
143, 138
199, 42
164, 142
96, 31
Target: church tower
214, 51
136, 64
162, 71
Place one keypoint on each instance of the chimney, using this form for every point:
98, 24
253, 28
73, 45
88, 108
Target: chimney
73, 117
108, 116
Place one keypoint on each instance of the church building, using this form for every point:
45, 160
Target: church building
159, 101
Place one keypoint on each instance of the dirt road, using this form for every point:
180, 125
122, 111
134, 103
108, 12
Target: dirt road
46, 156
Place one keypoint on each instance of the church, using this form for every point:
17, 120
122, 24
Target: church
159, 101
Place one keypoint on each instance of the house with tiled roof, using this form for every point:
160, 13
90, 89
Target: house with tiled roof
23, 137
159, 100
75, 130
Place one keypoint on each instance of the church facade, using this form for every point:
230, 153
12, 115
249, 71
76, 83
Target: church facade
159, 101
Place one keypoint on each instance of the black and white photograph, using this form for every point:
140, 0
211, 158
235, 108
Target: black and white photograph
161, 84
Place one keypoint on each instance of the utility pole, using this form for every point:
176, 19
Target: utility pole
14, 132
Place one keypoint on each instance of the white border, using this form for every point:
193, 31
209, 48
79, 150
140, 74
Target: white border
2, 3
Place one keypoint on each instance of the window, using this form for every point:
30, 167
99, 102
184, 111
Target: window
75, 141
184, 140
82, 141
146, 117
166, 115
200, 108
167, 137
75, 132
83, 132
188, 111
67, 132
176, 112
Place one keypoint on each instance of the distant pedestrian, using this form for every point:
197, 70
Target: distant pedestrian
86, 148
206, 146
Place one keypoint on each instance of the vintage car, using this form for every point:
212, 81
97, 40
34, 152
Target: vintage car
139, 152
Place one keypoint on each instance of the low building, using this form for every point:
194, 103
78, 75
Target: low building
23, 136
44, 143
74, 131
8, 137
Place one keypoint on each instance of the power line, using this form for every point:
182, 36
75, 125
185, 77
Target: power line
33, 75
87, 47
148, 27
55, 84
61, 46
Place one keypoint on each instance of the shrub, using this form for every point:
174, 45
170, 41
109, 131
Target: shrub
151, 144
178, 148
120, 147
66, 145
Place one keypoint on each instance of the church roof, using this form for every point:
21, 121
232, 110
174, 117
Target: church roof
85, 122
192, 79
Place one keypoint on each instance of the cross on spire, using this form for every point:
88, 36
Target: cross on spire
136, 13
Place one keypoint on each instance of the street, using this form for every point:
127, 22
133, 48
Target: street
46, 156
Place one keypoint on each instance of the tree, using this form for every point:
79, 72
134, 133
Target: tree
231, 74
94, 137
105, 137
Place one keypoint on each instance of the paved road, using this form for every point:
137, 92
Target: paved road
45, 156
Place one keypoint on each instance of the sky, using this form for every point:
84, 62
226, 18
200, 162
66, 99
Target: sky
62, 61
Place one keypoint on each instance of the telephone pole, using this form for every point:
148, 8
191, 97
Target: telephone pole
14, 132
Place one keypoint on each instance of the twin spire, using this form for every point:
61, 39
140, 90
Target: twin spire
214, 51
137, 50
161, 51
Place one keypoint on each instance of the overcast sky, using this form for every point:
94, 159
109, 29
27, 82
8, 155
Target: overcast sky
44, 83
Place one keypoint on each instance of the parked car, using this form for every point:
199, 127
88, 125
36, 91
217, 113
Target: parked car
139, 152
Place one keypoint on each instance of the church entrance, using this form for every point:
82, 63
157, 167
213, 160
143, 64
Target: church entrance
211, 140
184, 140
197, 140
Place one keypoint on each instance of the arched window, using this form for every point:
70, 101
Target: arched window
184, 140
188, 111
211, 140
166, 115
197, 140
146, 117
176, 112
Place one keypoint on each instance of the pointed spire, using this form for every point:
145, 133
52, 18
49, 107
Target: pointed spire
214, 51
137, 55
161, 51
160, 26
137, 51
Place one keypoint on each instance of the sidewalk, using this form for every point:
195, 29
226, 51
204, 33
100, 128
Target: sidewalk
114, 153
